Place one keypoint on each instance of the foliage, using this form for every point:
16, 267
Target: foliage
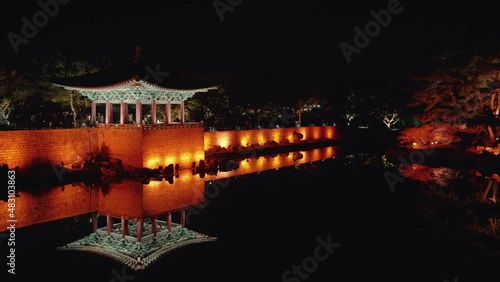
48, 69
15, 92
214, 108
457, 93
28, 96
432, 134
308, 104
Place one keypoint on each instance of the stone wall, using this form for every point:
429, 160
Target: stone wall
28, 148
252, 136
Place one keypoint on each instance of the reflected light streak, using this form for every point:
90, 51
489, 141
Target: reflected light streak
132, 198
254, 165
51, 204
329, 133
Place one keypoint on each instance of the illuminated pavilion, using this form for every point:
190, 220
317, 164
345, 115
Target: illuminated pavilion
131, 88
138, 92
137, 84
140, 237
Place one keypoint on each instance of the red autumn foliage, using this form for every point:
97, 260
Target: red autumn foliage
434, 135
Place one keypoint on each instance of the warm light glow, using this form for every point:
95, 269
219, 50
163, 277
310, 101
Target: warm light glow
316, 133
199, 156
263, 163
244, 142
276, 161
185, 158
153, 162
329, 132
169, 160
315, 154
261, 136
329, 152
157, 197
277, 135
153, 184
224, 141
190, 157
261, 139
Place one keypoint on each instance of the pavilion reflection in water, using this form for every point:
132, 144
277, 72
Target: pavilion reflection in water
139, 227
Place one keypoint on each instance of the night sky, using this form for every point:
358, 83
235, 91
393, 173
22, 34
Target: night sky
281, 50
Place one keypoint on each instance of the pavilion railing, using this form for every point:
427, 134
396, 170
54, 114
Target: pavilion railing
172, 125
151, 126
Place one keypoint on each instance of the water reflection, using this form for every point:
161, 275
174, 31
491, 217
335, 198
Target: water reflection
157, 195
245, 166
462, 201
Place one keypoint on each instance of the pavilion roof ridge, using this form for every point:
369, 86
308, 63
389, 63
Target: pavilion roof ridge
134, 82
100, 87
155, 86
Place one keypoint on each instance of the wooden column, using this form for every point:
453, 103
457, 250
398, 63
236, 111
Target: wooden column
169, 222
109, 224
139, 229
138, 111
168, 113
94, 112
123, 112
183, 218
153, 112
94, 222
109, 112
181, 112
124, 227
155, 226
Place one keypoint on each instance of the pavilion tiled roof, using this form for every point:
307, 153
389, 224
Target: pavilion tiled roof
156, 76
136, 81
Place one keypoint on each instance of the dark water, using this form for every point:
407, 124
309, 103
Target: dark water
268, 222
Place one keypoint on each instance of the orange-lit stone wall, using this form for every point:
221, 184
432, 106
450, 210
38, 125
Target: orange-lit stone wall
122, 199
27, 148
136, 147
252, 136
173, 146
161, 197
133, 199
123, 144
50, 205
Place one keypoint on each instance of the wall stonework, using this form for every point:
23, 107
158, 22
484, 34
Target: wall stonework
136, 147
123, 144
52, 204
181, 146
28, 148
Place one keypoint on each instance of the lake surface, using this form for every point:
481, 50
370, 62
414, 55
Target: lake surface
272, 215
